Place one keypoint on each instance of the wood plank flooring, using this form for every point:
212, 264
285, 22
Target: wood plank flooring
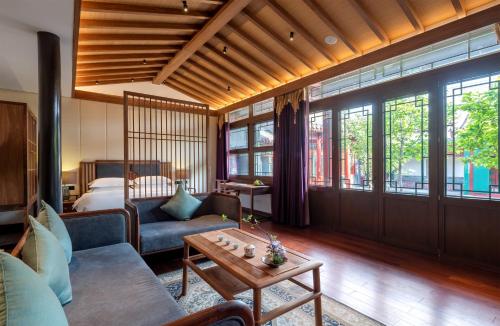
391, 285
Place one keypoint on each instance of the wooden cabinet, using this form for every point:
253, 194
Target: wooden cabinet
18, 159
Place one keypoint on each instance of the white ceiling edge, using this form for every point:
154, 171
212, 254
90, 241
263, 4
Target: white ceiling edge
20, 20
138, 87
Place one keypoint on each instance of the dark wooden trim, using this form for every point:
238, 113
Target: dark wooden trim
97, 97
209, 316
76, 32
457, 27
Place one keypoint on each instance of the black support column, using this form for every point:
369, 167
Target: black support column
49, 120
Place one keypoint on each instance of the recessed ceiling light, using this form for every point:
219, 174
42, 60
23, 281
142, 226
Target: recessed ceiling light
330, 39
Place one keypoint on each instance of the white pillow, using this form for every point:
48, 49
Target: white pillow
152, 180
107, 182
105, 189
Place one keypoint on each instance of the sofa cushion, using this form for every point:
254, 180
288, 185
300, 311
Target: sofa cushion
168, 235
112, 285
52, 221
45, 255
25, 298
182, 205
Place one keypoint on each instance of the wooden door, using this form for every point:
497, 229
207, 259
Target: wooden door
12, 155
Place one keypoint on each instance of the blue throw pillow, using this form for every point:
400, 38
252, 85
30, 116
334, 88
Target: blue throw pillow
182, 205
52, 221
25, 299
43, 253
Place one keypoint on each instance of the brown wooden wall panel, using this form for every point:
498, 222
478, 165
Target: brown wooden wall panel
472, 232
358, 213
410, 223
13, 152
322, 207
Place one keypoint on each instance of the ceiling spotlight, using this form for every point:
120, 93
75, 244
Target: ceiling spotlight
291, 36
330, 39
224, 50
185, 6
97, 82
165, 82
228, 88
132, 80
144, 62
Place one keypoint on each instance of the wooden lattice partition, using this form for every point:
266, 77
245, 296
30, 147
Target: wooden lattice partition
165, 138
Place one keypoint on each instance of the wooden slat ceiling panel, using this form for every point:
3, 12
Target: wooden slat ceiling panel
122, 41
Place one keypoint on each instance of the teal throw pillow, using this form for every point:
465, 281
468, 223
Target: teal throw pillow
25, 299
43, 253
182, 205
52, 221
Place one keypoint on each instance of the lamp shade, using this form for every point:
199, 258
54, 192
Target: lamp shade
69, 177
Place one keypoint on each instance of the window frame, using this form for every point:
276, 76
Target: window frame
251, 149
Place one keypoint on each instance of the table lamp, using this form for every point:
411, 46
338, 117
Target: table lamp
69, 180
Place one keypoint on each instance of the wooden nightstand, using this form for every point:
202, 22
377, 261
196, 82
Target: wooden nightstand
68, 204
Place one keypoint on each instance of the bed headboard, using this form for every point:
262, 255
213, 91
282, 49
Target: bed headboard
89, 171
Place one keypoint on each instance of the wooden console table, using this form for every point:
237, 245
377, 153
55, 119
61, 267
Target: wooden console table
234, 273
246, 188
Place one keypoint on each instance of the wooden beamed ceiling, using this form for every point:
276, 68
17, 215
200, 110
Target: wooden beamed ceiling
224, 52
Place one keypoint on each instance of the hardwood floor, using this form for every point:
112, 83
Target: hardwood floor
391, 285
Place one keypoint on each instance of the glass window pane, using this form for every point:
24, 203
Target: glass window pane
406, 145
263, 164
238, 164
263, 107
264, 134
320, 148
238, 138
472, 138
356, 148
239, 114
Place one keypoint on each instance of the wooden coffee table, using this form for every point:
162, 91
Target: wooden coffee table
234, 273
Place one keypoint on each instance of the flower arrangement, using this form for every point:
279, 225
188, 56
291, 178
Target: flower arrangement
276, 253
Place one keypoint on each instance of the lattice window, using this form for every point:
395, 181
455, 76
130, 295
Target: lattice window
406, 145
356, 142
320, 148
472, 118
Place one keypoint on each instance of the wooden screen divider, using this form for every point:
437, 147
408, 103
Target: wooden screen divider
171, 132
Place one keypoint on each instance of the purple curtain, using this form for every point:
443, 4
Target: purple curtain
222, 137
289, 196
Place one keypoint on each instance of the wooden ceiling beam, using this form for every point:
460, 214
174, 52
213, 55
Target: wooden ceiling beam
300, 29
214, 25
116, 56
121, 8
112, 81
370, 21
243, 70
207, 88
190, 93
411, 15
101, 72
454, 28
459, 8
128, 48
497, 30
315, 7
120, 64
228, 74
89, 37
276, 38
98, 23
213, 84
259, 47
108, 77
201, 72
233, 48
193, 91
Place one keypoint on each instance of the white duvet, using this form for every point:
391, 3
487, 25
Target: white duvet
113, 197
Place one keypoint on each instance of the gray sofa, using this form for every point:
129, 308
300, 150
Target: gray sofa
155, 231
112, 285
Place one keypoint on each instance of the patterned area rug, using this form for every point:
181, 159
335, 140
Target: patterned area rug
201, 296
